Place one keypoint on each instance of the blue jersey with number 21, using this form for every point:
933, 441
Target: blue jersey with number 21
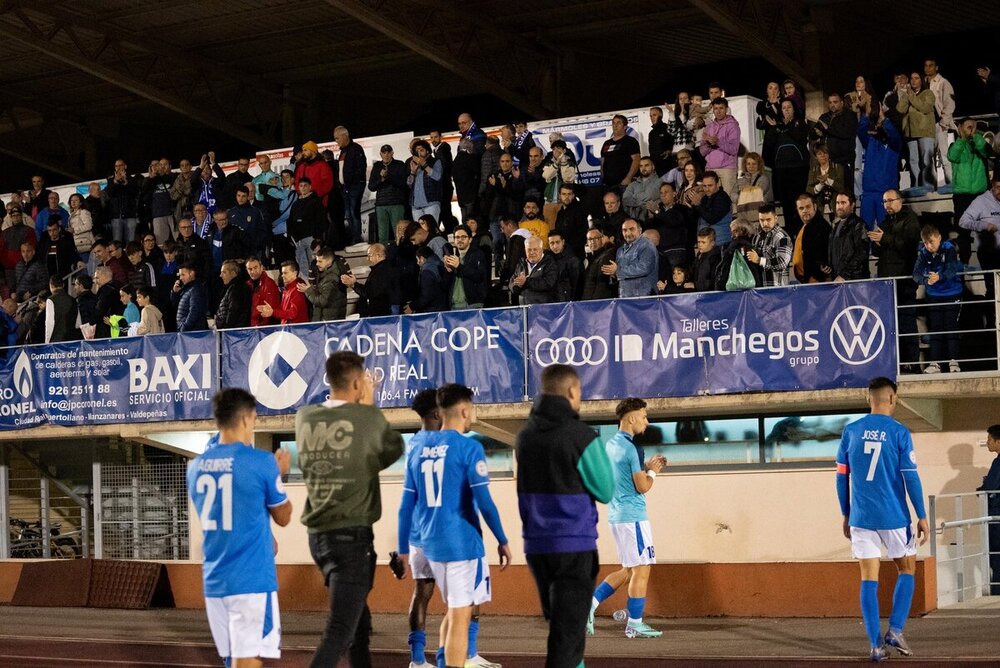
232, 486
874, 452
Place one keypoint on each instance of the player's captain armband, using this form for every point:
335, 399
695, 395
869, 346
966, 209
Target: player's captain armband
843, 468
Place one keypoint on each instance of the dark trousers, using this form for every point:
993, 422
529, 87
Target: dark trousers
347, 559
565, 585
994, 547
942, 316
906, 295
352, 210
848, 176
960, 202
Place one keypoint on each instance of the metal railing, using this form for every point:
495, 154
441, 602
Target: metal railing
965, 572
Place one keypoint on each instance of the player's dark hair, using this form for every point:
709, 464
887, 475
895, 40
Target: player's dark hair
881, 383
994, 431
452, 394
766, 208
626, 406
342, 367
558, 378
425, 402
229, 404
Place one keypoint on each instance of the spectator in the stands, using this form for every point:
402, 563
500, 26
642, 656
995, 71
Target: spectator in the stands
424, 181
424, 232
156, 192
713, 207
150, 252
109, 302
192, 248
532, 221
18, 234
826, 178
228, 243
706, 261
754, 188
740, 243
613, 215
812, 245
792, 94
80, 226
388, 182
642, 195
894, 242
660, 142
720, 144
202, 220
234, 305
180, 191
916, 104
328, 295
536, 276
248, 218
150, 316
467, 164
571, 220
293, 308
226, 198
38, 197
264, 291
636, 265
601, 249
558, 171
441, 150
772, 248
837, 130
791, 165
141, 274
882, 143
619, 157
309, 165
189, 300
353, 168
306, 221
513, 239
166, 276
484, 242
466, 272
379, 295
123, 202
530, 177
53, 212
939, 270
432, 295
849, 243
969, 157
569, 266
679, 117
60, 314
130, 316
208, 184
944, 112
30, 276
672, 223
675, 176
501, 194
768, 118
983, 216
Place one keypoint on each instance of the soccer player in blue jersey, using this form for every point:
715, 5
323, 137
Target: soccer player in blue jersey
425, 405
237, 491
628, 518
447, 480
876, 471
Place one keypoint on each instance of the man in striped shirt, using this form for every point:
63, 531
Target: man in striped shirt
772, 248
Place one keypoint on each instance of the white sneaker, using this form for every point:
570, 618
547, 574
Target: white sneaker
953, 367
423, 664
932, 368
479, 662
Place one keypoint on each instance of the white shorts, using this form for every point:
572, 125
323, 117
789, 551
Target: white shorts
245, 625
463, 583
867, 543
420, 567
635, 543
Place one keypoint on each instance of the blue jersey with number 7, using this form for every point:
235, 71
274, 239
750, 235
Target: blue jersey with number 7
874, 452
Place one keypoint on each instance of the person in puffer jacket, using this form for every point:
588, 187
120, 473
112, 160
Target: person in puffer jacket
939, 270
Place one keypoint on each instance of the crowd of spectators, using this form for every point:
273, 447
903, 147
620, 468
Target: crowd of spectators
188, 249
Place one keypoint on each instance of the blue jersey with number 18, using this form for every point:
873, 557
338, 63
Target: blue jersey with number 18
232, 486
874, 451
441, 472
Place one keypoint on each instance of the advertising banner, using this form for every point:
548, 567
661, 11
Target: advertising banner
135, 379
798, 338
284, 367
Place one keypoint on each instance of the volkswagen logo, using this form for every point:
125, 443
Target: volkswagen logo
857, 335
573, 350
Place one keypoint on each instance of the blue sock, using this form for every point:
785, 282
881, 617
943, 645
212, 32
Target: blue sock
418, 646
869, 611
902, 597
603, 592
473, 635
635, 607
440, 658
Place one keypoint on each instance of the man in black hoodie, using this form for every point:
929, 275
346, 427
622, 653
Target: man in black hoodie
562, 470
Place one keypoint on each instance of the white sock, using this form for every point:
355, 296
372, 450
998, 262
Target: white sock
594, 603
634, 622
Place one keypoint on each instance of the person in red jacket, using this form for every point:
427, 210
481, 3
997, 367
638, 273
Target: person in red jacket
316, 168
293, 307
265, 291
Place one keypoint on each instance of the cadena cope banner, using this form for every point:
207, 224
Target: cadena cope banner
796, 338
284, 367
135, 379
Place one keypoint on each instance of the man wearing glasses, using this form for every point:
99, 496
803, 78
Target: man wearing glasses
14, 235
894, 243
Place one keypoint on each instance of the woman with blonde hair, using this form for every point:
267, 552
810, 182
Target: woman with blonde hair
754, 188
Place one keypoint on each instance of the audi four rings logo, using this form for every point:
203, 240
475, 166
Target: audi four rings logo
572, 350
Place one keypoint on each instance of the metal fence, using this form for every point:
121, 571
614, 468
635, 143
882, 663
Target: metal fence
960, 543
143, 511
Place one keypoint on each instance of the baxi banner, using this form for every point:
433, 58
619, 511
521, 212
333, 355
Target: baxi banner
284, 367
135, 379
798, 338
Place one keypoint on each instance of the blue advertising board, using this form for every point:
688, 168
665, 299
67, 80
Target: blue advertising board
797, 338
284, 367
135, 379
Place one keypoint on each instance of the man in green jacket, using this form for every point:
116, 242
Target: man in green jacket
343, 444
968, 156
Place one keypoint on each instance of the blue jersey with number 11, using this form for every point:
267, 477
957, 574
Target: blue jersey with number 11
442, 472
874, 452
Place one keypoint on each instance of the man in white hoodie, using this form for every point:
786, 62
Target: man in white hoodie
944, 108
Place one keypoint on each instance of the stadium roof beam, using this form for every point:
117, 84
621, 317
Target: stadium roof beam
761, 32
34, 159
85, 62
462, 50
